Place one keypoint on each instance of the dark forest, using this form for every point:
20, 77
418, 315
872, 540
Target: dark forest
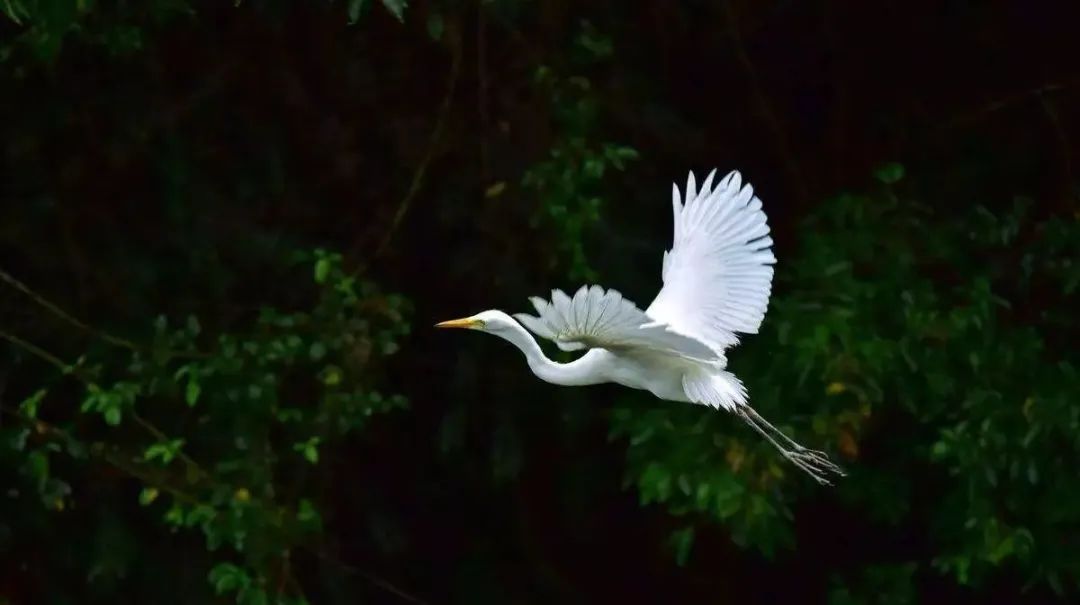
227, 230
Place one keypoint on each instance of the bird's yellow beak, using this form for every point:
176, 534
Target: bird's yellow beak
468, 323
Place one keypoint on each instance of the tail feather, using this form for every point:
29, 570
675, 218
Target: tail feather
720, 390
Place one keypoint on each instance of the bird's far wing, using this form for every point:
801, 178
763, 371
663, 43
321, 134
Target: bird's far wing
718, 273
595, 318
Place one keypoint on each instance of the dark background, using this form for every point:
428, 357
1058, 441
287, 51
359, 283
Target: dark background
916, 160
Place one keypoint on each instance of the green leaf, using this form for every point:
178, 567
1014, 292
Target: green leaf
322, 270
29, 406
226, 577
193, 326
354, 10
1054, 580
14, 10
682, 540
331, 375
307, 514
289, 415
435, 27
252, 595
164, 451
396, 8
939, 450
37, 464
889, 173
193, 390
113, 416
175, 515
148, 495
17, 441
199, 515
309, 449
1002, 550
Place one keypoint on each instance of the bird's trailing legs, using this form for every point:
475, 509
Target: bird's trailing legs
815, 463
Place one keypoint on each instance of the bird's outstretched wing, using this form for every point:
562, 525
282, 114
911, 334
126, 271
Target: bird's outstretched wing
595, 318
718, 273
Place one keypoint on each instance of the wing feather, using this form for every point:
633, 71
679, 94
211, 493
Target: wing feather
595, 318
718, 274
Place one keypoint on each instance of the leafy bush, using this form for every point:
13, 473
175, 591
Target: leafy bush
219, 432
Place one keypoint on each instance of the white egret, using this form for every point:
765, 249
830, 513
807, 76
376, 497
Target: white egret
717, 278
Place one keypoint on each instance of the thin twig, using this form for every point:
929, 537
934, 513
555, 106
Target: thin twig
764, 106
70, 369
381, 583
297, 588
36, 351
482, 90
162, 437
122, 465
1002, 103
208, 87
429, 153
113, 459
1063, 142
284, 576
64, 315
103, 335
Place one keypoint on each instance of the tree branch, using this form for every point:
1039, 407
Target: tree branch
64, 315
1000, 104
377, 581
433, 143
764, 107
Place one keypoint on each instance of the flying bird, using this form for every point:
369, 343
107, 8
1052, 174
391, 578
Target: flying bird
717, 279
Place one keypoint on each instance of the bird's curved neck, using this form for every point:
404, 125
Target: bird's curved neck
582, 371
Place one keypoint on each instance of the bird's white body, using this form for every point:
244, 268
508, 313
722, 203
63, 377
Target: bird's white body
659, 375
717, 280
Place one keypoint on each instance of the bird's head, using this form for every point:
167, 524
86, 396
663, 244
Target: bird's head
493, 322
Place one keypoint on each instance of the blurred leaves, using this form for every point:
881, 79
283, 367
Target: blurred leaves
355, 8
889, 173
877, 585
118, 27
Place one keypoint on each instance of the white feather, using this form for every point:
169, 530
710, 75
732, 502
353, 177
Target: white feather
718, 274
595, 318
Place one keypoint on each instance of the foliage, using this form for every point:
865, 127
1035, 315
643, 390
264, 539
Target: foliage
164, 159
120, 27
904, 328
568, 181
294, 385
116, 26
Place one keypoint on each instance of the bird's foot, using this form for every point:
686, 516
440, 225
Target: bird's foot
815, 463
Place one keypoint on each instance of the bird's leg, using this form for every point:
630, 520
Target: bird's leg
792, 456
758, 419
813, 462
